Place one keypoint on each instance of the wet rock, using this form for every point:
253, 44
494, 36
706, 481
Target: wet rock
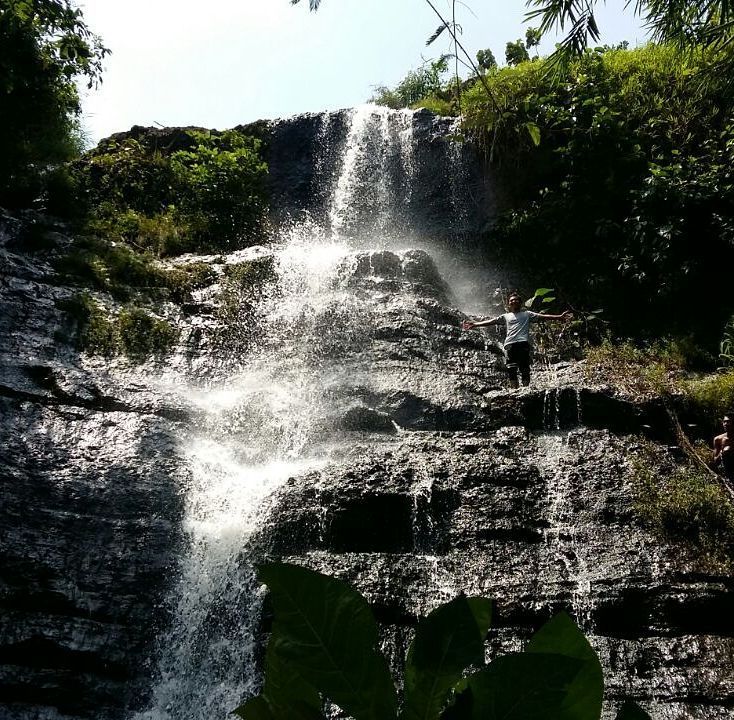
367, 420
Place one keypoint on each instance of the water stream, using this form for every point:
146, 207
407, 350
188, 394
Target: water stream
269, 421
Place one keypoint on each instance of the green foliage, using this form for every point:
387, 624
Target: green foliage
711, 396
688, 505
46, 46
117, 269
142, 334
683, 23
624, 195
448, 641
486, 60
533, 37
516, 53
250, 274
726, 346
646, 369
208, 194
325, 633
415, 87
134, 331
323, 647
221, 188
111, 267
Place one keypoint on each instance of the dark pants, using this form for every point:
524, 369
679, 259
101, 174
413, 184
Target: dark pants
518, 361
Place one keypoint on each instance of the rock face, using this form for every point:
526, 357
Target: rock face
89, 522
311, 169
362, 434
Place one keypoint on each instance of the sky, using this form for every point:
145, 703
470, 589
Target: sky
221, 63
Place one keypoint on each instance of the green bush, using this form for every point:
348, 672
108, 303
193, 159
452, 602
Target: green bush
712, 396
182, 280
142, 334
134, 332
220, 186
204, 192
95, 331
645, 368
323, 646
618, 184
689, 505
112, 267
46, 46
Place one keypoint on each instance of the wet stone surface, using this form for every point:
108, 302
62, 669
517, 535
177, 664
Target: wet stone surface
436, 480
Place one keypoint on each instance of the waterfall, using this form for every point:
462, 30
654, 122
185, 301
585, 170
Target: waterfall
270, 420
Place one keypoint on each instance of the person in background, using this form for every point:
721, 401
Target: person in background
724, 448
517, 336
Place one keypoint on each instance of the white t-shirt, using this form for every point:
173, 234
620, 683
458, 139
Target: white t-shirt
518, 326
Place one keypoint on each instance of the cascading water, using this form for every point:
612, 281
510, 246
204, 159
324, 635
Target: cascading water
270, 421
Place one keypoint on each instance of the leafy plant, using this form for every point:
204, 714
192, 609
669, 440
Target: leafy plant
687, 505
726, 346
134, 331
516, 53
323, 646
195, 191
684, 23
46, 47
619, 185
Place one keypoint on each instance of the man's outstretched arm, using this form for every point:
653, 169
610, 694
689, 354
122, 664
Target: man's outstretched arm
471, 324
568, 315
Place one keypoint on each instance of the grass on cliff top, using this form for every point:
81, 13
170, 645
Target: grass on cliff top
671, 366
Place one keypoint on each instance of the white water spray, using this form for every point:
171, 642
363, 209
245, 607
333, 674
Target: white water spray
269, 421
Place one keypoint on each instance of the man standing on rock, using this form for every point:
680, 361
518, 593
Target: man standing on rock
517, 338
724, 448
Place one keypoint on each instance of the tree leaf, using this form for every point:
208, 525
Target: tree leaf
255, 708
437, 32
523, 686
632, 711
325, 632
534, 132
446, 642
560, 635
548, 299
540, 292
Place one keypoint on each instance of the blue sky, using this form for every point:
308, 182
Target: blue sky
220, 63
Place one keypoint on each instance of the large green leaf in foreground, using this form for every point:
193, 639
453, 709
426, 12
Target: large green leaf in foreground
325, 631
446, 642
560, 635
284, 695
523, 686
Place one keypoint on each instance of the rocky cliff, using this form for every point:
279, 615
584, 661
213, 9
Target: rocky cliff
363, 434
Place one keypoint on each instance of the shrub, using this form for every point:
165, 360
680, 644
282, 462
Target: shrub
221, 188
617, 183
324, 647
46, 46
112, 267
711, 396
690, 505
203, 192
95, 332
142, 334
639, 369
184, 279
134, 331
250, 274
